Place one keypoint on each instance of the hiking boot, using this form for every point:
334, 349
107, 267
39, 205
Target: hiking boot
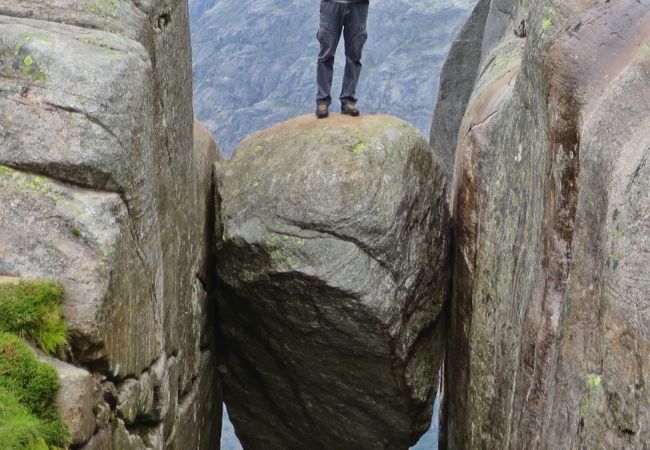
350, 109
322, 110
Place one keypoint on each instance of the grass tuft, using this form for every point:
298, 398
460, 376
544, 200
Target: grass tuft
18, 428
33, 311
28, 389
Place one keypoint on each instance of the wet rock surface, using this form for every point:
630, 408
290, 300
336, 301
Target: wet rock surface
550, 322
333, 262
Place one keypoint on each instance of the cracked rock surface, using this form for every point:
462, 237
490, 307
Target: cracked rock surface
333, 261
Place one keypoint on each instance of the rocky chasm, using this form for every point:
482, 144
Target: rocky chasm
321, 278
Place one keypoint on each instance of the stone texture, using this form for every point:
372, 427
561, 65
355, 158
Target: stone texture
85, 135
103, 188
550, 321
456, 82
198, 423
116, 437
135, 398
76, 400
333, 257
115, 16
81, 237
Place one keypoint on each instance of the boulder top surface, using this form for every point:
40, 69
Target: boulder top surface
346, 175
334, 129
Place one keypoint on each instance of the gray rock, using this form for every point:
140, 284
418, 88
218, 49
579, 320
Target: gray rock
456, 82
82, 238
76, 400
189, 329
160, 375
102, 440
135, 398
198, 425
116, 437
550, 321
85, 136
103, 188
169, 421
333, 246
117, 17
121, 438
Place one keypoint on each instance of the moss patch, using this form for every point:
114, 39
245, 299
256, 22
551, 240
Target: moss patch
18, 428
593, 395
361, 147
547, 21
546, 24
105, 7
33, 311
28, 389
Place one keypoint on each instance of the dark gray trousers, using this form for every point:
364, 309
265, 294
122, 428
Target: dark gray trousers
349, 18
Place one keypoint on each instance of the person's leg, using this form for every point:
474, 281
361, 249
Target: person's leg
355, 34
329, 33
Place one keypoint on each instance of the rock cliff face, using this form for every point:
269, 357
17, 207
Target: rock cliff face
333, 261
550, 322
104, 187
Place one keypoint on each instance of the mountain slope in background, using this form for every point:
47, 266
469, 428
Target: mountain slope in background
255, 61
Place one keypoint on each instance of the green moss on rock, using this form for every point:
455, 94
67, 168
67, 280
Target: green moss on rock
360, 147
33, 311
18, 428
29, 388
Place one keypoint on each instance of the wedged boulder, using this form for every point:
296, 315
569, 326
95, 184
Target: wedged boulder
333, 262
550, 324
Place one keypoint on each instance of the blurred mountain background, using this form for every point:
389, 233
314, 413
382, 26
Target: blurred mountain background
254, 61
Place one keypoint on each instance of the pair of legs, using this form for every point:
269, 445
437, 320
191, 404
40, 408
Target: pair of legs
350, 20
